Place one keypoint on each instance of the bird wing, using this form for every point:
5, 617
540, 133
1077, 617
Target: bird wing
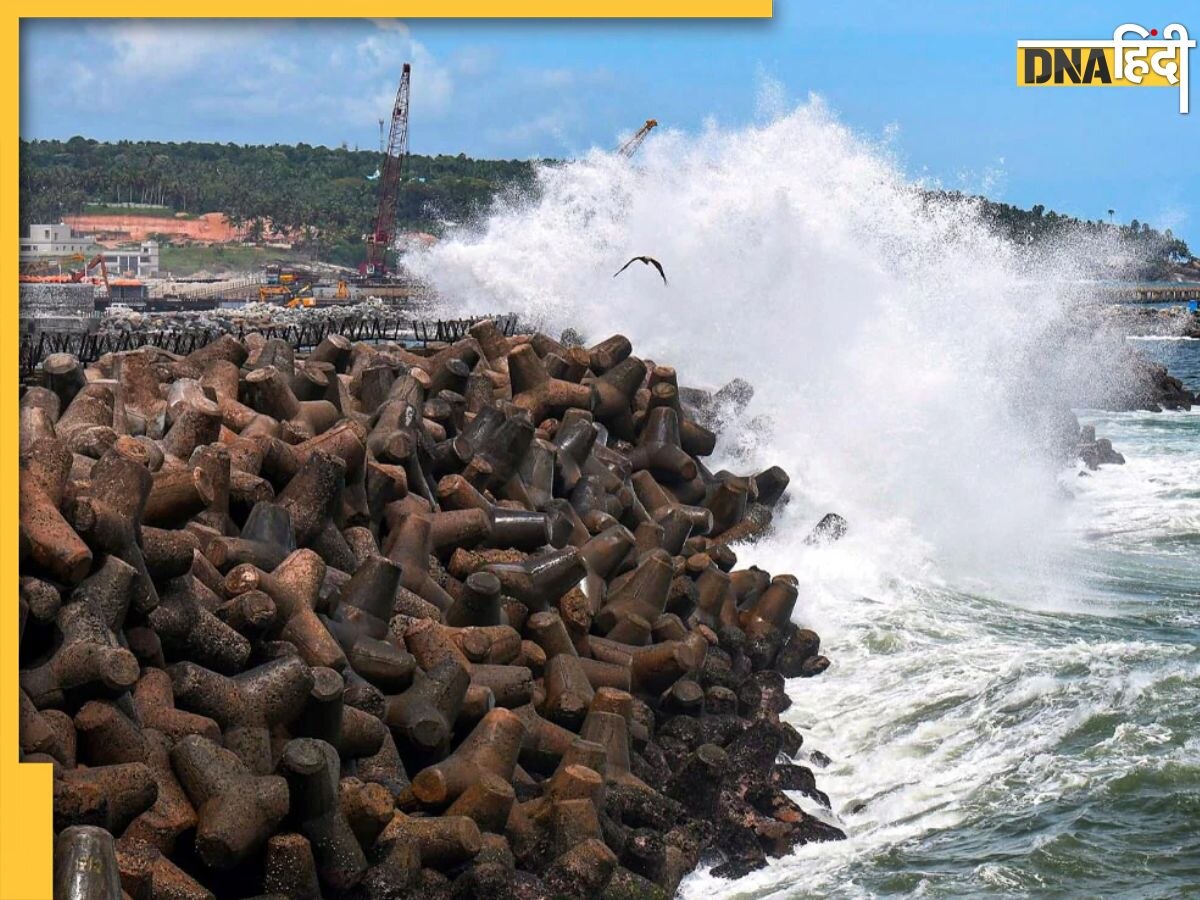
624, 267
654, 262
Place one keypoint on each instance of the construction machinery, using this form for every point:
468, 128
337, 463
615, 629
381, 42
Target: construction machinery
381, 238
302, 297
294, 284
288, 284
292, 295
42, 268
270, 292
275, 273
97, 260
630, 147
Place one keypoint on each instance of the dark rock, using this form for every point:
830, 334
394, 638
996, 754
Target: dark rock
802, 644
817, 758
790, 777
832, 527
813, 666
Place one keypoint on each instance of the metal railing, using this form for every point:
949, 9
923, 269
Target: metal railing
193, 290
90, 347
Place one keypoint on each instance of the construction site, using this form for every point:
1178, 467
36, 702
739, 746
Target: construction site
120, 299
70, 301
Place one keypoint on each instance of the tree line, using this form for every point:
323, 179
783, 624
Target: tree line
327, 196
1145, 252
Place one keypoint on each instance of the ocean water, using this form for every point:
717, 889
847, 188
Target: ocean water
1011, 709
1040, 745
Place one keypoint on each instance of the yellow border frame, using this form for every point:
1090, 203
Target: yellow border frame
426, 9
25, 790
26, 832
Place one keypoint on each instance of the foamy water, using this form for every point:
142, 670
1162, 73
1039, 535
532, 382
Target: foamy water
1015, 675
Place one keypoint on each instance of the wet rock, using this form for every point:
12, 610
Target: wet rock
832, 527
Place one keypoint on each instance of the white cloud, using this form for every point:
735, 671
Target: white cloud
321, 82
381, 56
146, 48
438, 85
559, 77
342, 73
551, 78
142, 48
474, 61
554, 124
281, 66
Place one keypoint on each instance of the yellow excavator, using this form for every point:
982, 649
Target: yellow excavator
294, 288
302, 297
291, 295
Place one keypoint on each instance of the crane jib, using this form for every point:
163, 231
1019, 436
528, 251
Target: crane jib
384, 230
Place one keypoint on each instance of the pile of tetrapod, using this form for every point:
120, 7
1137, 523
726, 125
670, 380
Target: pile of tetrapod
381, 622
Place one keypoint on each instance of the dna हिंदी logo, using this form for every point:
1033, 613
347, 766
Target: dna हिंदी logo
1134, 57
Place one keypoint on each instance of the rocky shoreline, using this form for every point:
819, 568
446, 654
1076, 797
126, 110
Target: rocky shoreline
1141, 320
1090, 360
462, 621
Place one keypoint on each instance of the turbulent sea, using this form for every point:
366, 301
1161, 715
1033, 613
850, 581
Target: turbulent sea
1012, 705
1043, 744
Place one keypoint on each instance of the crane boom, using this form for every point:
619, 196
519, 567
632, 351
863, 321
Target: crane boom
381, 238
630, 146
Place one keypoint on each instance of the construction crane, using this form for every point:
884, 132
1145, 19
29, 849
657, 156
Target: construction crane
380, 240
630, 147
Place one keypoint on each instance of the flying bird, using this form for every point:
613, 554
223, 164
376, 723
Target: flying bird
648, 260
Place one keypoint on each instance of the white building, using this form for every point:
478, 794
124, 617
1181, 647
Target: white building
140, 262
58, 241
55, 240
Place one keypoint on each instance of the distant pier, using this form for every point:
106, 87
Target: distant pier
1152, 292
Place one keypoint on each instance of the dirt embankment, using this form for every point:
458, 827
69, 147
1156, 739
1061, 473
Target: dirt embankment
209, 228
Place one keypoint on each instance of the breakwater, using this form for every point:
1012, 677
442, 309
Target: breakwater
464, 620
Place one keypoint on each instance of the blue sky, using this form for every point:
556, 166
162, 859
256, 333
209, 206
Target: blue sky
936, 77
